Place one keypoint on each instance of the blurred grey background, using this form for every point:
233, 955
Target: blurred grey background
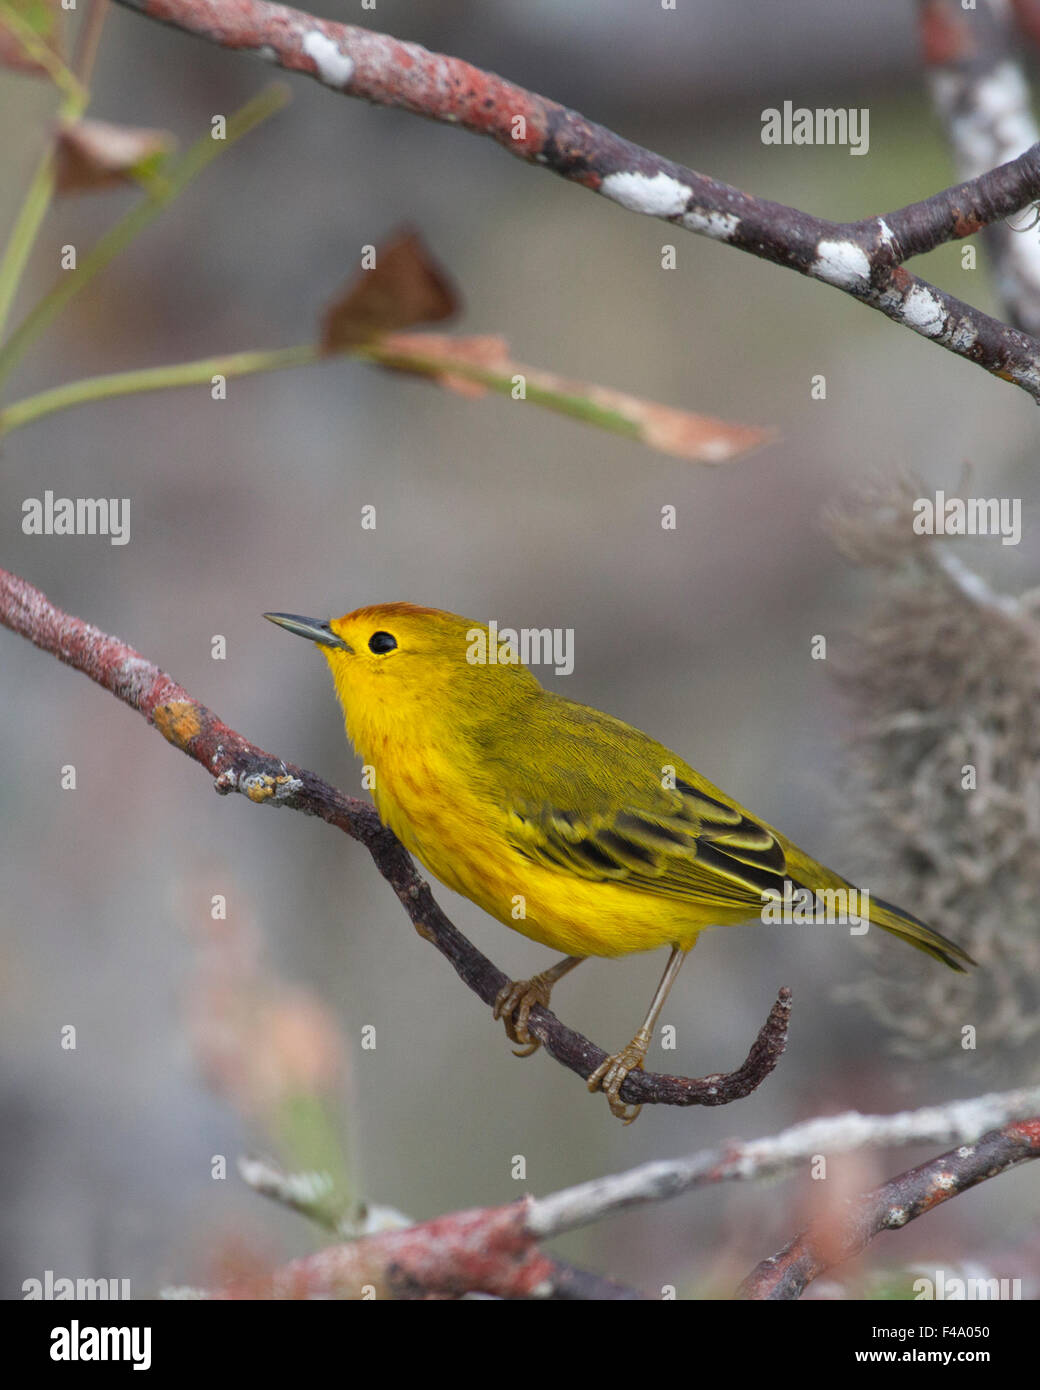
700, 636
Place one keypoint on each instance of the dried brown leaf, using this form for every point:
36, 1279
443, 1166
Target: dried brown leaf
92, 155
405, 287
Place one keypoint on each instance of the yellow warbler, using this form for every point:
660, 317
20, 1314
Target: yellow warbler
564, 823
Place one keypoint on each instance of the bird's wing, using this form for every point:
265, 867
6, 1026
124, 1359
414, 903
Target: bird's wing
681, 843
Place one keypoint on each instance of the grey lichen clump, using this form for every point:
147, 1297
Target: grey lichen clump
944, 676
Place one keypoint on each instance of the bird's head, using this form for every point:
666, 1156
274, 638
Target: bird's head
397, 666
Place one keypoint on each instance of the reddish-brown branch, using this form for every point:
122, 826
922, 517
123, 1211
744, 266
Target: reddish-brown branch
240, 766
486, 1250
838, 1237
864, 258
395, 1265
495, 1250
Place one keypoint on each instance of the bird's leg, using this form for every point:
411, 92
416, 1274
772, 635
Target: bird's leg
610, 1076
516, 1000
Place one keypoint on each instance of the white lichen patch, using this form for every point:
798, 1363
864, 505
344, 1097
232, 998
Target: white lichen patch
133, 668
334, 68
964, 336
307, 1188
923, 311
1029, 378
377, 1219
659, 196
841, 263
887, 235
1001, 125
265, 51
136, 678
720, 226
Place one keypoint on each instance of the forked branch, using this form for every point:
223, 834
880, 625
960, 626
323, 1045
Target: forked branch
495, 1250
864, 259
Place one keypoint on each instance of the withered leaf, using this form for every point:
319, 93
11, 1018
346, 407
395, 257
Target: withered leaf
91, 155
406, 286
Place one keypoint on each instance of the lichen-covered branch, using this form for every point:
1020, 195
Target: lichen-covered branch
980, 91
959, 1121
314, 1195
495, 1250
236, 765
412, 1266
488, 1250
864, 259
841, 1235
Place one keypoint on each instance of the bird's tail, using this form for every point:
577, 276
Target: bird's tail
902, 924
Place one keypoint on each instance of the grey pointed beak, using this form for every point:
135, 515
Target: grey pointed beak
314, 629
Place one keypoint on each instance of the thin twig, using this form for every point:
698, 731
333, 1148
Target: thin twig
495, 1250
971, 586
88, 39
864, 259
314, 1196
160, 194
902, 1199
958, 1121
41, 52
240, 766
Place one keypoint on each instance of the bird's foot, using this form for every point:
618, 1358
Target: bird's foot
514, 1004
610, 1075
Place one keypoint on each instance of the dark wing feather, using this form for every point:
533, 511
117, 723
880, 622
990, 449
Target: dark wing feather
684, 844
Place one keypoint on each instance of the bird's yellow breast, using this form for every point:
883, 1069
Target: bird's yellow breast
460, 836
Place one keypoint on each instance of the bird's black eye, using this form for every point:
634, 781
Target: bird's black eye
381, 642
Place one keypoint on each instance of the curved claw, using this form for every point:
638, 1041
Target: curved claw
610, 1076
513, 1006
